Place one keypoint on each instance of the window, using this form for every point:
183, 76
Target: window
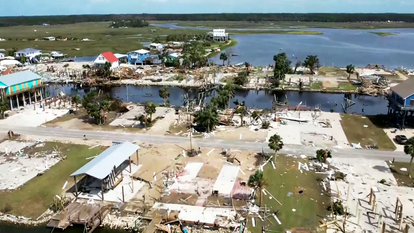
411, 102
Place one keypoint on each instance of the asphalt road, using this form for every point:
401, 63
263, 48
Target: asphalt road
211, 143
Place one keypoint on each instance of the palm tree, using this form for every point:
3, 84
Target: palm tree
275, 143
223, 56
312, 62
207, 117
409, 150
297, 64
242, 110
323, 154
350, 69
258, 181
76, 100
163, 93
230, 89
150, 109
255, 115
107, 69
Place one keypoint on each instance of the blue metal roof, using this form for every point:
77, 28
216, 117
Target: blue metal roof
101, 166
19, 77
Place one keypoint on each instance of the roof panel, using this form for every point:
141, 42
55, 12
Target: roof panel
19, 77
404, 89
109, 56
102, 165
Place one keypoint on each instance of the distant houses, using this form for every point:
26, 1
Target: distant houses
156, 46
138, 56
49, 38
28, 52
106, 57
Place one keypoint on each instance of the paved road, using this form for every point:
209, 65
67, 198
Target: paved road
227, 144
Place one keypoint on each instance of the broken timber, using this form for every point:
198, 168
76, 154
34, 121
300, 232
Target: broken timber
88, 215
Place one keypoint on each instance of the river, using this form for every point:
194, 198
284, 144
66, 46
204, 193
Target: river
254, 99
336, 47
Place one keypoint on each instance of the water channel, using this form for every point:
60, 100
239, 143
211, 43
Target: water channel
253, 99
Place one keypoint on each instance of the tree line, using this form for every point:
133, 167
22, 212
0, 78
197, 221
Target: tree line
255, 17
135, 23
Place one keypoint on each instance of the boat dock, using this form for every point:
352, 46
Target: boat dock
83, 214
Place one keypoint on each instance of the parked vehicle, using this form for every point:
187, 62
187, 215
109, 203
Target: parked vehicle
401, 139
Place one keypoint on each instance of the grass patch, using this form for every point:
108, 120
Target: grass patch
119, 40
383, 33
355, 132
178, 78
222, 46
402, 176
316, 86
344, 86
310, 206
331, 71
32, 199
227, 79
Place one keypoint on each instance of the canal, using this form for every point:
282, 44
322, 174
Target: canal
369, 105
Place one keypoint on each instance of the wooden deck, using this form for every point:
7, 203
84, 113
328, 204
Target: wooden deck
89, 215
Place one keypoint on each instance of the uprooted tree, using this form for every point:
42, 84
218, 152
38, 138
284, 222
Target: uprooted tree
323, 154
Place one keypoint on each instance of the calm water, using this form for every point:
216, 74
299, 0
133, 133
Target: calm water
336, 47
258, 99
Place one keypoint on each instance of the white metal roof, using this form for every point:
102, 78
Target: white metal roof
142, 51
226, 179
102, 165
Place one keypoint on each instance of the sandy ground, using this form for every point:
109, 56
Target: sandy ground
33, 118
362, 175
15, 169
312, 132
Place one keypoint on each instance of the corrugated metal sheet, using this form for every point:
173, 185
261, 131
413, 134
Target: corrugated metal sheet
103, 164
19, 77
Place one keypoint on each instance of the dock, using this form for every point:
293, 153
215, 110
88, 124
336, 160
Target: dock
82, 214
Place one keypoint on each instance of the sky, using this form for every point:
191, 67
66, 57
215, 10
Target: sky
70, 7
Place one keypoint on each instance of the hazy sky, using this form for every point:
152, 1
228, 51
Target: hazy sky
66, 7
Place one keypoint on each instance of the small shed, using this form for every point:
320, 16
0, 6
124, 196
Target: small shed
106, 167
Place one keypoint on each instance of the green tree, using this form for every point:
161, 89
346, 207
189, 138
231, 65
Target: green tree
150, 109
229, 89
96, 105
312, 62
4, 106
76, 100
323, 154
223, 57
157, 39
409, 150
107, 70
255, 115
164, 94
143, 119
195, 53
282, 67
11, 52
207, 117
242, 78
242, 110
350, 69
275, 143
23, 59
258, 181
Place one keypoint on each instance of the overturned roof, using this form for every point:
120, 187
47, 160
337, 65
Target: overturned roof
102, 165
19, 77
404, 89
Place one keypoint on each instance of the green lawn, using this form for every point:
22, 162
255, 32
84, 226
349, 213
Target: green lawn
353, 126
32, 199
310, 206
344, 86
402, 176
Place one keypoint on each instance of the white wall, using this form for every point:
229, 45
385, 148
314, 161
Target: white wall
100, 60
